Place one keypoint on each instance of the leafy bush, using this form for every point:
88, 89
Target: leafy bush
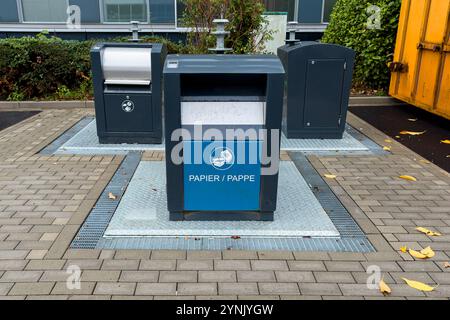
374, 47
247, 26
45, 67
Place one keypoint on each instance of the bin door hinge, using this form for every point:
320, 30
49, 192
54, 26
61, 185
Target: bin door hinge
339, 121
345, 65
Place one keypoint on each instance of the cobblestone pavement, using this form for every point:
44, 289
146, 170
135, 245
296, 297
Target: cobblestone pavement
44, 200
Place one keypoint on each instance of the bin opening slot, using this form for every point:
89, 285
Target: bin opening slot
220, 87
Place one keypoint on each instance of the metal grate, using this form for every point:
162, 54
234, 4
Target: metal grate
96, 223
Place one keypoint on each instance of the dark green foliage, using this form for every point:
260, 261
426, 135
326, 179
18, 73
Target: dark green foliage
374, 47
45, 67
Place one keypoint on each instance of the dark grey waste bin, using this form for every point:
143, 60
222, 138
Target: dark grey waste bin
318, 83
128, 91
223, 93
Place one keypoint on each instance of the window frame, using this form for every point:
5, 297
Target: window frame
323, 13
103, 14
22, 16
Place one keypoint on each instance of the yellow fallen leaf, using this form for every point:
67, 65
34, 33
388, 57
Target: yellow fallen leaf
409, 178
388, 140
418, 285
384, 288
448, 156
417, 254
330, 176
428, 252
413, 120
403, 249
398, 137
428, 232
447, 141
412, 133
387, 148
112, 196
424, 161
446, 265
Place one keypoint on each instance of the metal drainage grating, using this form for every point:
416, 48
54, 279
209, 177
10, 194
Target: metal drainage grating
56, 144
96, 223
352, 238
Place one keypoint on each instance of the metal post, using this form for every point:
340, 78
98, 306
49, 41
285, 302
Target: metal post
135, 31
292, 28
220, 34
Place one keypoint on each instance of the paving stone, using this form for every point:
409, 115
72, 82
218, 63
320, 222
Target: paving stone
139, 276
231, 265
120, 264
337, 277
168, 254
278, 288
157, 265
21, 276
110, 288
38, 288
12, 264
132, 254
178, 276
217, 276
153, 289
256, 276
100, 275
320, 289
418, 266
45, 265
4, 289
441, 277
275, 255
259, 297
61, 288
269, 265
84, 264
239, 255
198, 255
306, 265
197, 288
238, 288
294, 276
311, 256
195, 265
343, 266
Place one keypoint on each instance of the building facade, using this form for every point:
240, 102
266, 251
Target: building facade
100, 17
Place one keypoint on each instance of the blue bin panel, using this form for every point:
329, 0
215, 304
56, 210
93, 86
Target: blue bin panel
222, 175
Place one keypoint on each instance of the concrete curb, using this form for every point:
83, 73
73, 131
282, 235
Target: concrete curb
354, 102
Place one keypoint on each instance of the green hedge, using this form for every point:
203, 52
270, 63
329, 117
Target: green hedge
374, 47
45, 67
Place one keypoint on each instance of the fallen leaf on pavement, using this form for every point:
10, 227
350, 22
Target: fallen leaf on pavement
398, 137
403, 249
412, 133
388, 140
446, 265
384, 288
413, 120
428, 232
409, 178
446, 141
112, 196
330, 176
425, 161
428, 252
418, 285
385, 148
417, 254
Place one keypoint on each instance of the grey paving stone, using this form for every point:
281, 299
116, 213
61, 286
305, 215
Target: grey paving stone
256, 276
21, 276
295, 276
37, 288
178, 276
197, 289
238, 288
337, 277
120, 264
320, 289
216, 276
195, 265
100, 275
61, 288
157, 265
139, 276
231, 265
154, 289
278, 288
306, 265
269, 265
111, 288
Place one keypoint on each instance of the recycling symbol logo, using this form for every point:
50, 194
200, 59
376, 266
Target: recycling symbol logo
127, 105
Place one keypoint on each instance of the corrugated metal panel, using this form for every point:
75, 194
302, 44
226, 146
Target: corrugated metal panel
421, 67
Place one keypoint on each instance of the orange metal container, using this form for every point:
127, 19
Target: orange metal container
421, 67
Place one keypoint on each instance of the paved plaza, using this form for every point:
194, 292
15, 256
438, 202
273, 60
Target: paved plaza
44, 200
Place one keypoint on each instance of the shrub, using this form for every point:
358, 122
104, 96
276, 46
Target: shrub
247, 25
374, 47
45, 67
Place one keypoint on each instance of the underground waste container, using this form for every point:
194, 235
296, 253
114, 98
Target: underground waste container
127, 81
318, 83
222, 116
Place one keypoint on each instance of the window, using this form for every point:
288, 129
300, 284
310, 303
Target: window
327, 9
124, 11
162, 11
282, 6
44, 10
